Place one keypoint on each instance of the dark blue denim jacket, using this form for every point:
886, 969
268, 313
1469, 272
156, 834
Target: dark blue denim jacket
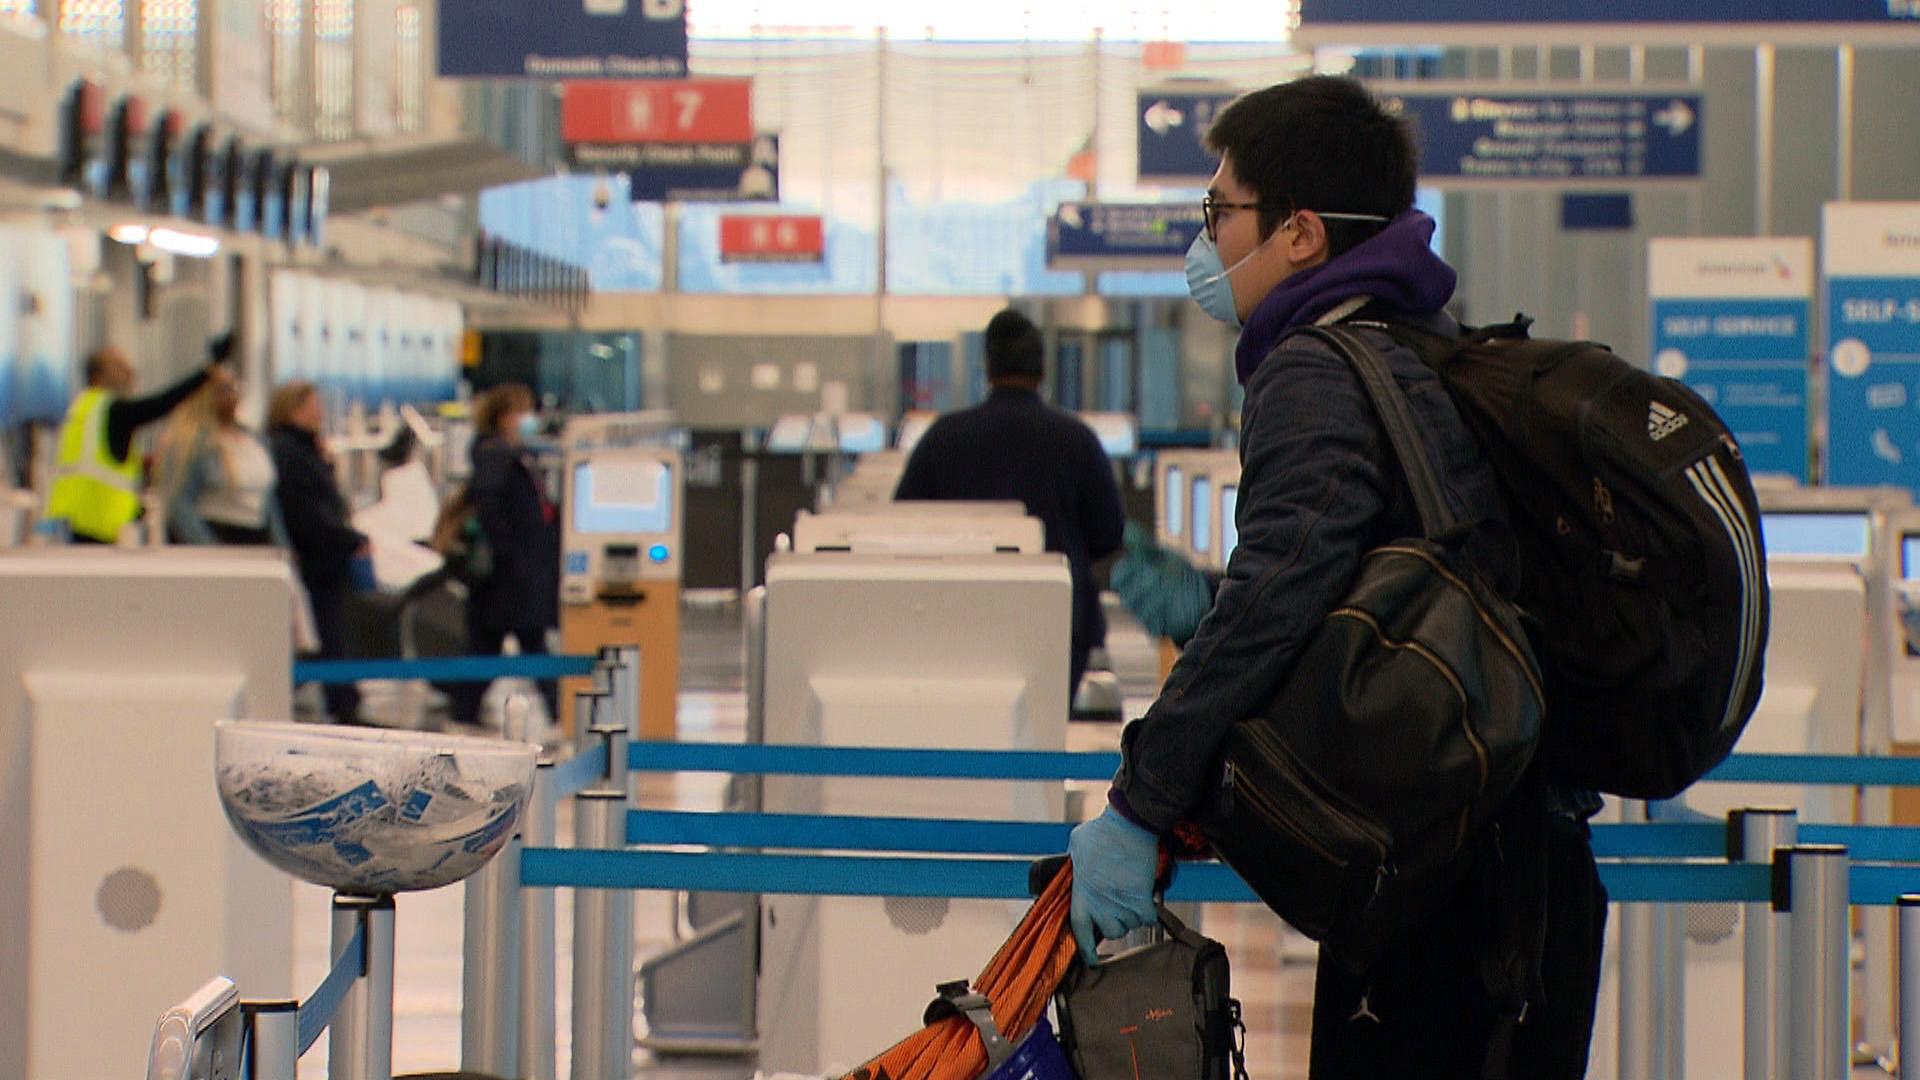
1319, 488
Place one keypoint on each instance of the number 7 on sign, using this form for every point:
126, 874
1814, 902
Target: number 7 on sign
689, 102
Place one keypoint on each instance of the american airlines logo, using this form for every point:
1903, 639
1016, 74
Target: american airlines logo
1663, 421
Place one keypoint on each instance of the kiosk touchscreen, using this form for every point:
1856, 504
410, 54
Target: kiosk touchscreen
1200, 537
620, 569
1229, 532
1173, 506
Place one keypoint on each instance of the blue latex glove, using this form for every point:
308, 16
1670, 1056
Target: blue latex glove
1113, 869
1165, 592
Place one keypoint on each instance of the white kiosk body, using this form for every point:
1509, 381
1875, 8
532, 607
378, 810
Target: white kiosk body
124, 885
933, 648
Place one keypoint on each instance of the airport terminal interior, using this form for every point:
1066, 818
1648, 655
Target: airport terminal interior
457, 618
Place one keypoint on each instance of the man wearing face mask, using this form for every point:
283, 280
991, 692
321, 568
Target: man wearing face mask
1310, 221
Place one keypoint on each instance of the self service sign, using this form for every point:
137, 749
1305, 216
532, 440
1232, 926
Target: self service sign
1732, 318
1872, 301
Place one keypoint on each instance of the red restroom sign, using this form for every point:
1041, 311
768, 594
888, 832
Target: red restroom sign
658, 111
772, 239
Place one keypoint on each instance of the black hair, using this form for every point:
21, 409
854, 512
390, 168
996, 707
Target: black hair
1015, 348
1321, 143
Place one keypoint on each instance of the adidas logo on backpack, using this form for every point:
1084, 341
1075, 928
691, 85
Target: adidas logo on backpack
1662, 421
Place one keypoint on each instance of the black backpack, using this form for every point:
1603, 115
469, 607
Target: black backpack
1641, 557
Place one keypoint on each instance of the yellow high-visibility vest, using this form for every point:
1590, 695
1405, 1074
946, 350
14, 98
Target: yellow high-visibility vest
95, 493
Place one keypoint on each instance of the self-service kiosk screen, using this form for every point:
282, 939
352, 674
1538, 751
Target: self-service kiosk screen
1173, 492
1229, 532
1910, 557
1840, 535
911, 430
1202, 513
622, 497
861, 434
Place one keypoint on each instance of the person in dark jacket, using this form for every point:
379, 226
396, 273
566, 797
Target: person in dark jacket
1014, 446
317, 524
519, 596
1309, 220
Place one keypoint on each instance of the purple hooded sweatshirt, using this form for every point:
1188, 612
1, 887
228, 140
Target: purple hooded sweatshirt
1396, 267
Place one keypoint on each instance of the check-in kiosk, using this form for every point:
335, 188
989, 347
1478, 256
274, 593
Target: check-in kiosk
620, 570
1118, 432
1831, 647
120, 880
930, 648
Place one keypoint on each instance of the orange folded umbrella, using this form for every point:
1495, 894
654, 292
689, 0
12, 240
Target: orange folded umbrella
1018, 981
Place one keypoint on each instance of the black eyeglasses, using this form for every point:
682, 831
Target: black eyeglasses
1210, 208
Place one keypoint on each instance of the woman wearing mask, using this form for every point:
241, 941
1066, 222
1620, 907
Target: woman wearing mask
520, 595
325, 543
217, 476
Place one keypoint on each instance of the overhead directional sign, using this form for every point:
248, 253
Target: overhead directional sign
690, 172
1173, 131
1486, 135
563, 39
1122, 236
659, 111
1871, 255
1732, 318
1496, 22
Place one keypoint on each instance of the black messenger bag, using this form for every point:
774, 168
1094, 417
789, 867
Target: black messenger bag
1411, 714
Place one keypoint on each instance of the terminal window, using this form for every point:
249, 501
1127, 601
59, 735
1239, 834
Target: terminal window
624, 498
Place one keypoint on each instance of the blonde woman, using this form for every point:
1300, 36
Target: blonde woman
217, 476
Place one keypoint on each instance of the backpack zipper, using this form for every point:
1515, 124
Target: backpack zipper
1282, 759
1506, 640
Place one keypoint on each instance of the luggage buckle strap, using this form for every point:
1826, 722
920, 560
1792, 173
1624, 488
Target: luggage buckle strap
958, 999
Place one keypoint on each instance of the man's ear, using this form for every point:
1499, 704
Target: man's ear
1307, 243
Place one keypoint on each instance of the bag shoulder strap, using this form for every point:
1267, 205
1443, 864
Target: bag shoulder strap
1390, 404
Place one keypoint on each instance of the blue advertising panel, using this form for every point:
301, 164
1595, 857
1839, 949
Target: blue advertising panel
563, 39
1748, 359
1504, 137
1172, 132
1733, 319
1872, 301
1116, 236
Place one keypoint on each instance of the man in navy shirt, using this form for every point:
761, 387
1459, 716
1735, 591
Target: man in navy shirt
1014, 446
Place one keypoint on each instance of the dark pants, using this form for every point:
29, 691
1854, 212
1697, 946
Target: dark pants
329, 599
486, 639
1423, 1011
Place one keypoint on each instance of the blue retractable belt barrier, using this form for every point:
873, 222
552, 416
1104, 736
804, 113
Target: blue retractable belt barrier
842, 833
580, 772
1006, 879
449, 669
317, 1011
762, 758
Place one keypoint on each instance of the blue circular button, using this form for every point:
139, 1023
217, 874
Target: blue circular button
658, 553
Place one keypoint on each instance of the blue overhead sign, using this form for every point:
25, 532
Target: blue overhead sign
1500, 137
1733, 319
563, 39
1314, 13
1872, 262
1173, 131
690, 172
1131, 236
